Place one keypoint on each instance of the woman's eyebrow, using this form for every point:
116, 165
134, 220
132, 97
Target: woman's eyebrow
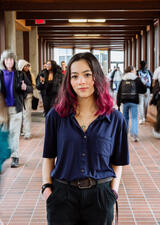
82, 72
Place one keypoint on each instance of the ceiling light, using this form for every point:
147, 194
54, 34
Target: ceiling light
96, 21
87, 20
77, 20
87, 35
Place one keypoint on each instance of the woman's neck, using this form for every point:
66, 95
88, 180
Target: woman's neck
86, 106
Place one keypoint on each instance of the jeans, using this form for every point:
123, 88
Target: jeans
26, 116
133, 108
15, 120
143, 104
69, 205
116, 85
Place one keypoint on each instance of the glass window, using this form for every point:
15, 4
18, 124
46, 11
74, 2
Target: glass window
117, 60
102, 57
62, 54
117, 56
78, 50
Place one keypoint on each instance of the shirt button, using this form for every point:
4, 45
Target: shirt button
82, 170
85, 136
83, 154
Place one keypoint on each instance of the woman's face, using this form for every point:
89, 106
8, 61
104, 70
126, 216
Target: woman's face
9, 63
49, 65
82, 79
26, 68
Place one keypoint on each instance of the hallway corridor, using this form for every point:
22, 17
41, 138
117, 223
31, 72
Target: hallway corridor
139, 195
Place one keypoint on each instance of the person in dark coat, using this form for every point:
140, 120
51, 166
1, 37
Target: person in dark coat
48, 82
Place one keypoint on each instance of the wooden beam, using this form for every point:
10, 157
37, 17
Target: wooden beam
71, 33
106, 28
65, 23
80, 5
87, 15
20, 25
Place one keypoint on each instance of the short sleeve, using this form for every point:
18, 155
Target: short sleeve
50, 140
120, 154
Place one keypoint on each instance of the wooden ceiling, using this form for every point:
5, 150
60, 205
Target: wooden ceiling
124, 20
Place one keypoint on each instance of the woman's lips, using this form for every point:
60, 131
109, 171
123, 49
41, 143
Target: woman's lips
83, 89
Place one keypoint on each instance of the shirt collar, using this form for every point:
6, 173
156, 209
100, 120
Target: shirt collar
100, 117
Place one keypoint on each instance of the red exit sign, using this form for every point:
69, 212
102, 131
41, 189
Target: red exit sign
40, 21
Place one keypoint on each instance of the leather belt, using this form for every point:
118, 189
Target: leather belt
85, 183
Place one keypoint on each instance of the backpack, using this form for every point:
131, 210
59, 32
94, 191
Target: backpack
145, 76
128, 90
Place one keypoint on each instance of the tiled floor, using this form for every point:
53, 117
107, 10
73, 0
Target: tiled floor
139, 196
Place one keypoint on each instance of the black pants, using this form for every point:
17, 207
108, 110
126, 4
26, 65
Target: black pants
69, 205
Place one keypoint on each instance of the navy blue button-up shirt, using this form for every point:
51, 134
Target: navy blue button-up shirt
86, 154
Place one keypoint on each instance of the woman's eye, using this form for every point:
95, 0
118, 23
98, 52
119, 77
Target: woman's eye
74, 76
88, 74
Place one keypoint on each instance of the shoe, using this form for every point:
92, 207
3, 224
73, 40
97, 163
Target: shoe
15, 162
143, 120
140, 121
155, 133
135, 138
28, 137
22, 134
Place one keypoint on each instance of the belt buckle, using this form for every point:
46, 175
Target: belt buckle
85, 187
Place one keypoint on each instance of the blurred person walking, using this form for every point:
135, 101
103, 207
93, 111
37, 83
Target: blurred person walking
64, 67
129, 89
116, 78
156, 93
13, 89
146, 77
5, 151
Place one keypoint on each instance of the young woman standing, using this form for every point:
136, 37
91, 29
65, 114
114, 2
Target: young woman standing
85, 148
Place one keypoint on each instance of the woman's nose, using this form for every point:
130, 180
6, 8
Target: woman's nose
81, 80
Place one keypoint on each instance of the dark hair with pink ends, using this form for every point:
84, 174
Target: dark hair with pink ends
67, 98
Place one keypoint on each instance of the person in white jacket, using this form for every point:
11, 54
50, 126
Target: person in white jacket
24, 66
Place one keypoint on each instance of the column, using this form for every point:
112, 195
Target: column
130, 53
2, 31
19, 44
133, 52
33, 50
159, 42
144, 45
10, 30
151, 44
109, 59
125, 55
138, 51
26, 45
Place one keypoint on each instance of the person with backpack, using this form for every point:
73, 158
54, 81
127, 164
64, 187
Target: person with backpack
128, 94
146, 77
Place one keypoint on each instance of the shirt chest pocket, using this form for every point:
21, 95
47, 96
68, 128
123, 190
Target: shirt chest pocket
100, 156
103, 146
